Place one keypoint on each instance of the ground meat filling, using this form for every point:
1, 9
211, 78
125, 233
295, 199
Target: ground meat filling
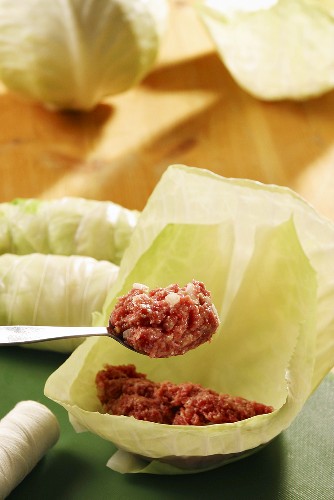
123, 391
165, 322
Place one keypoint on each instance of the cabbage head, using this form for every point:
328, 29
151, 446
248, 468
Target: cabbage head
70, 54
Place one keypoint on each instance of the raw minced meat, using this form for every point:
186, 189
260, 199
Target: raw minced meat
167, 321
123, 391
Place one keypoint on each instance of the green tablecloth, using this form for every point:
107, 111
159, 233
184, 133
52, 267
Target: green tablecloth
297, 465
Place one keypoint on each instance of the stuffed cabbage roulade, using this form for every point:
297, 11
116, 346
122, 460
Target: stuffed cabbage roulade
66, 226
52, 290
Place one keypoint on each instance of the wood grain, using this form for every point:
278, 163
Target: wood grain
188, 110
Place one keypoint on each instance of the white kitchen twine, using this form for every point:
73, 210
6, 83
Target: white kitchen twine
27, 432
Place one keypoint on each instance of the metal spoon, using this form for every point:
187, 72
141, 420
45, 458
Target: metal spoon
20, 334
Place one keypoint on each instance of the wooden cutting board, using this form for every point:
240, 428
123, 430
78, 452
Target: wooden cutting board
188, 110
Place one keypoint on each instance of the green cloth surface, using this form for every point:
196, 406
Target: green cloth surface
297, 465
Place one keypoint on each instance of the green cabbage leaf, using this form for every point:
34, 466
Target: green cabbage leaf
53, 290
66, 226
266, 256
274, 49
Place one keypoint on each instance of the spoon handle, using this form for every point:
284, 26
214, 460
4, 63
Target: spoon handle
10, 335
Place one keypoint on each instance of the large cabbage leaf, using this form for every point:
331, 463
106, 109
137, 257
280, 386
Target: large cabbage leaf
37, 289
66, 226
267, 256
274, 49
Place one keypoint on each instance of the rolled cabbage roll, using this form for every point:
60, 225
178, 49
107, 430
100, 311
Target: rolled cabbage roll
53, 290
66, 226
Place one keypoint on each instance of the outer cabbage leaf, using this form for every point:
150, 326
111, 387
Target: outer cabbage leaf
266, 256
66, 226
274, 49
39, 289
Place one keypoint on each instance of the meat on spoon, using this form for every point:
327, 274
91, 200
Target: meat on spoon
164, 322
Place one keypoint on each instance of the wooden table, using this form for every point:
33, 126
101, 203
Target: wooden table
188, 110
